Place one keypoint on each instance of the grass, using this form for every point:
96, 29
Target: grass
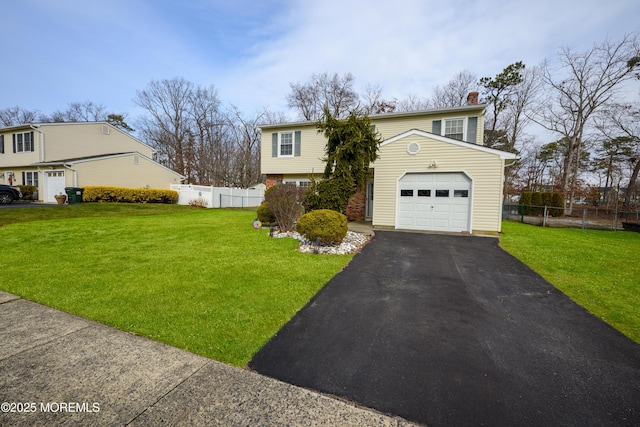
199, 279
599, 270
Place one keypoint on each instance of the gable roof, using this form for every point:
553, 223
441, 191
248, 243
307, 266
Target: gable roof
37, 127
102, 157
416, 132
374, 117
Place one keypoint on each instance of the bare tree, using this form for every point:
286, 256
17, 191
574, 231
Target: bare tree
373, 103
334, 92
196, 138
518, 114
246, 134
413, 102
13, 116
454, 93
209, 149
167, 127
590, 81
86, 111
620, 125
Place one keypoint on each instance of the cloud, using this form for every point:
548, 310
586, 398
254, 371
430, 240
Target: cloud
74, 50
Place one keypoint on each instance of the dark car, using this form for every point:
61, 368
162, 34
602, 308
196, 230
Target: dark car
8, 194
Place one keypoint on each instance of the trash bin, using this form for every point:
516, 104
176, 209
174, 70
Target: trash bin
74, 194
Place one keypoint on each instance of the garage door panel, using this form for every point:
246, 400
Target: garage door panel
424, 211
461, 209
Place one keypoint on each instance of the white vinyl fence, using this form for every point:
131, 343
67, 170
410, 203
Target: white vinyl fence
218, 197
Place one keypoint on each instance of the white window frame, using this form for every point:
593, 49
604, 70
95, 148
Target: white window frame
302, 183
464, 127
31, 178
21, 142
292, 134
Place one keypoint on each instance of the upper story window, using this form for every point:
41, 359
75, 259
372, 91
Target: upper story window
286, 144
22, 142
454, 128
1, 144
460, 128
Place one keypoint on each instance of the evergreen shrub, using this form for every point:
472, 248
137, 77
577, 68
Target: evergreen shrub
128, 195
264, 214
327, 225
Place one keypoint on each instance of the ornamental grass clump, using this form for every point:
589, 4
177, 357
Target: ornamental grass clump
324, 226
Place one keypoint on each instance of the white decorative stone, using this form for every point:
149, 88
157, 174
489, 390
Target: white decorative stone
352, 243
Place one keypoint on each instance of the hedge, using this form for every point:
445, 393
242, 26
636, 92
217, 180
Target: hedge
534, 201
128, 195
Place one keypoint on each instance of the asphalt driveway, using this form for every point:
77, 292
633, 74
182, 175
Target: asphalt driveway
453, 331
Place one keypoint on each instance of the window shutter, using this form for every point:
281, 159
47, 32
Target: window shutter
33, 143
436, 127
14, 142
24, 178
472, 129
297, 143
1, 144
274, 145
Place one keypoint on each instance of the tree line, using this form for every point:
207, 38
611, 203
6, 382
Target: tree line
579, 97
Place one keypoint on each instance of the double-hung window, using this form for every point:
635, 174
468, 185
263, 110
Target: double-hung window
460, 128
286, 144
22, 142
454, 128
30, 178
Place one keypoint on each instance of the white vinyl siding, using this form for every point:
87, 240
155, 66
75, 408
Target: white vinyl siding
75, 140
313, 143
310, 151
484, 168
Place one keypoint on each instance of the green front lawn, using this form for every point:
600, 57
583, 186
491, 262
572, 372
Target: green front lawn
600, 270
200, 279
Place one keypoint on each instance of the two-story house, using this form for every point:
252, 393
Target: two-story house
52, 156
433, 172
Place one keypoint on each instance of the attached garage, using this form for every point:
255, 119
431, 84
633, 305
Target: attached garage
434, 202
429, 182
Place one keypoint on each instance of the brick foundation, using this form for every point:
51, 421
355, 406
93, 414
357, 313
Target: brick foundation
274, 179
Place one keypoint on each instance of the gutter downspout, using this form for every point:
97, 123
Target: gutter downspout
37, 129
40, 181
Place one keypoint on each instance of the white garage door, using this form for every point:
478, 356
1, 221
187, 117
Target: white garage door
434, 202
55, 184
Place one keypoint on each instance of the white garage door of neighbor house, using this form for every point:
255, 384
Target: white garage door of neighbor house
434, 202
55, 185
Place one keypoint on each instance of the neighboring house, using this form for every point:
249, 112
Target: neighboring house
52, 156
433, 172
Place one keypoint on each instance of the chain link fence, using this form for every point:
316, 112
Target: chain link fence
579, 217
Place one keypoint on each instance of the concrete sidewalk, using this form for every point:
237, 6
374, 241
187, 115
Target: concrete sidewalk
56, 368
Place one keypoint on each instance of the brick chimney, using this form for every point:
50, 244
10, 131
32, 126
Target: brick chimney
472, 98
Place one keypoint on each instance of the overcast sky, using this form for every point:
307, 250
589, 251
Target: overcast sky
57, 52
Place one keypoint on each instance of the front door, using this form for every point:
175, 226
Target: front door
55, 184
369, 204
